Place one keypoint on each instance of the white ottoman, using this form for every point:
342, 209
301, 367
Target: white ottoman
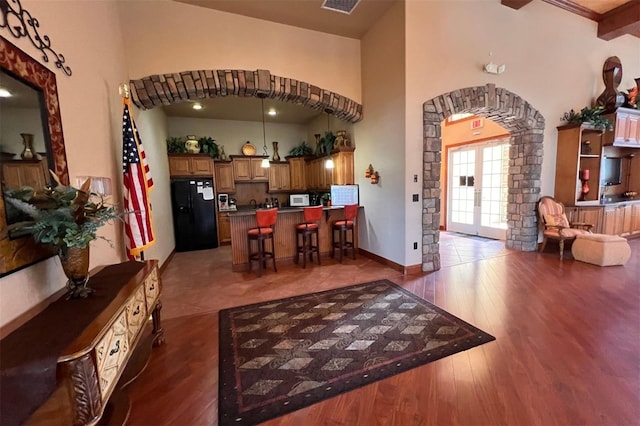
601, 249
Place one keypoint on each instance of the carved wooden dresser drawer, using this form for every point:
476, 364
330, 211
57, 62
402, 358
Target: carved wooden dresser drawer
93, 367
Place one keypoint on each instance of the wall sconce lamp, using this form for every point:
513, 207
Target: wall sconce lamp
369, 173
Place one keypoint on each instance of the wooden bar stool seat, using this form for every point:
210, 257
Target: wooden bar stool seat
342, 227
307, 230
266, 220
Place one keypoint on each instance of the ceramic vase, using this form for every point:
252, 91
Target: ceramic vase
75, 264
276, 156
27, 141
192, 145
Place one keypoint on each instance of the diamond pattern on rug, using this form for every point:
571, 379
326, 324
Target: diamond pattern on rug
283, 355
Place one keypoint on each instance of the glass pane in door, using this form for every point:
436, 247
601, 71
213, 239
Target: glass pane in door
462, 192
495, 173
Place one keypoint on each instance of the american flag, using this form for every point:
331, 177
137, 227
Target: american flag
137, 184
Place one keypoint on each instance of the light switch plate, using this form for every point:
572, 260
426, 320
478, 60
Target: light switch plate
416, 198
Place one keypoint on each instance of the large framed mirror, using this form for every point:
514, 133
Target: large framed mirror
31, 143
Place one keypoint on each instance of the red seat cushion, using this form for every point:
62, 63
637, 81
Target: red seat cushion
343, 223
303, 226
258, 231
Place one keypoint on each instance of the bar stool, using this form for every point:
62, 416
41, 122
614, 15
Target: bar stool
307, 230
266, 220
342, 226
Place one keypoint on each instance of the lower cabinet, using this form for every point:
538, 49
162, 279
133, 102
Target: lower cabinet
224, 228
623, 220
590, 215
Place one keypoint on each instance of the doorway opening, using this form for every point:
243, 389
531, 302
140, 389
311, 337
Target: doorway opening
477, 189
526, 128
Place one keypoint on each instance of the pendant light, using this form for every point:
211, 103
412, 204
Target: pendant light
329, 163
265, 161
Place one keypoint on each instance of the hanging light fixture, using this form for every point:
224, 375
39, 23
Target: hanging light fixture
329, 163
265, 161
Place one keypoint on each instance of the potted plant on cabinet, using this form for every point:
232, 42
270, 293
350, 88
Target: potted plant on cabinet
66, 220
591, 116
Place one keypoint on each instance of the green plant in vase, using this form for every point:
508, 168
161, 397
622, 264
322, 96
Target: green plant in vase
209, 146
66, 220
176, 145
592, 116
301, 150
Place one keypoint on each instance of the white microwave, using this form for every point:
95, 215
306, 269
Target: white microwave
299, 200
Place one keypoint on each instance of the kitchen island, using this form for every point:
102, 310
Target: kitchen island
284, 233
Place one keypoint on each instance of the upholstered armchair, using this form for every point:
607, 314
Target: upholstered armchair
556, 226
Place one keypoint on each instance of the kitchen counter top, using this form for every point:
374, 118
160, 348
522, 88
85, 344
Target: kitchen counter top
248, 210
288, 217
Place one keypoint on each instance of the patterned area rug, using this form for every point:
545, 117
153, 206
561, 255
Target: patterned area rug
279, 356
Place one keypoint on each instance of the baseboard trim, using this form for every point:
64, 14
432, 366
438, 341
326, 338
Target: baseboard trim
405, 270
21, 319
166, 262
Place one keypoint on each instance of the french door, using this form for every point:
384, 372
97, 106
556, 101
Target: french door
477, 189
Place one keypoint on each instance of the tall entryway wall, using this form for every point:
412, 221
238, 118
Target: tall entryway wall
526, 127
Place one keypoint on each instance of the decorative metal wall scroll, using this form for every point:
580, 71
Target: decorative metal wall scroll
21, 24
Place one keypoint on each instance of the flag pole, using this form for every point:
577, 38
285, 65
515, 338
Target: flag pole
123, 89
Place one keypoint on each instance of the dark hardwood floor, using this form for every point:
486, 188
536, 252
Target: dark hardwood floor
567, 349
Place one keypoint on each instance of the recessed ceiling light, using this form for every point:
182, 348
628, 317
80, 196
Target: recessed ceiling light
197, 106
272, 112
4, 93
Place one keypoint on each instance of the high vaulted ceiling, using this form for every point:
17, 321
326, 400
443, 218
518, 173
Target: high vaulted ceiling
614, 17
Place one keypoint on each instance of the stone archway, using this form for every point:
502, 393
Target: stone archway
166, 89
526, 126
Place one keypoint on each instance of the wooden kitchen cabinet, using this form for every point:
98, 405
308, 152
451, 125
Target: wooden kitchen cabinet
591, 215
224, 182
249, 169
613, 220
635, 218
190, 165
297, 176
343, 168
279, 179
19, 173
627, 127
224, 228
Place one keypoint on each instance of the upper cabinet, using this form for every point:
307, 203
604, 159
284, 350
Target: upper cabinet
279, 179
627, 130
249, 169
297, 176
190, 165
19, 173
224, 182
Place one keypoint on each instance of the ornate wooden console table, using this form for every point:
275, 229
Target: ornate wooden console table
76, 355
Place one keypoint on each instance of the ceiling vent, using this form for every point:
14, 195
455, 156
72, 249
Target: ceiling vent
342, 6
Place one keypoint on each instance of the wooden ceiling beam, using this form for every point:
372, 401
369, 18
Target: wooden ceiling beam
624, 19
575, 8
515, 4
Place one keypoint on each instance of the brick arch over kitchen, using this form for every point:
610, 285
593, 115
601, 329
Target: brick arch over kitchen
166, 89
526, 126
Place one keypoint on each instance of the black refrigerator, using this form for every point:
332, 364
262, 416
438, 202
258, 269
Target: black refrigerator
194, 214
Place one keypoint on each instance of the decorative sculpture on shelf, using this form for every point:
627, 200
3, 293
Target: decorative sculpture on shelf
611, 98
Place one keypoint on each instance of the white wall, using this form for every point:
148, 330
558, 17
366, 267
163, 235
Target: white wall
381, 139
